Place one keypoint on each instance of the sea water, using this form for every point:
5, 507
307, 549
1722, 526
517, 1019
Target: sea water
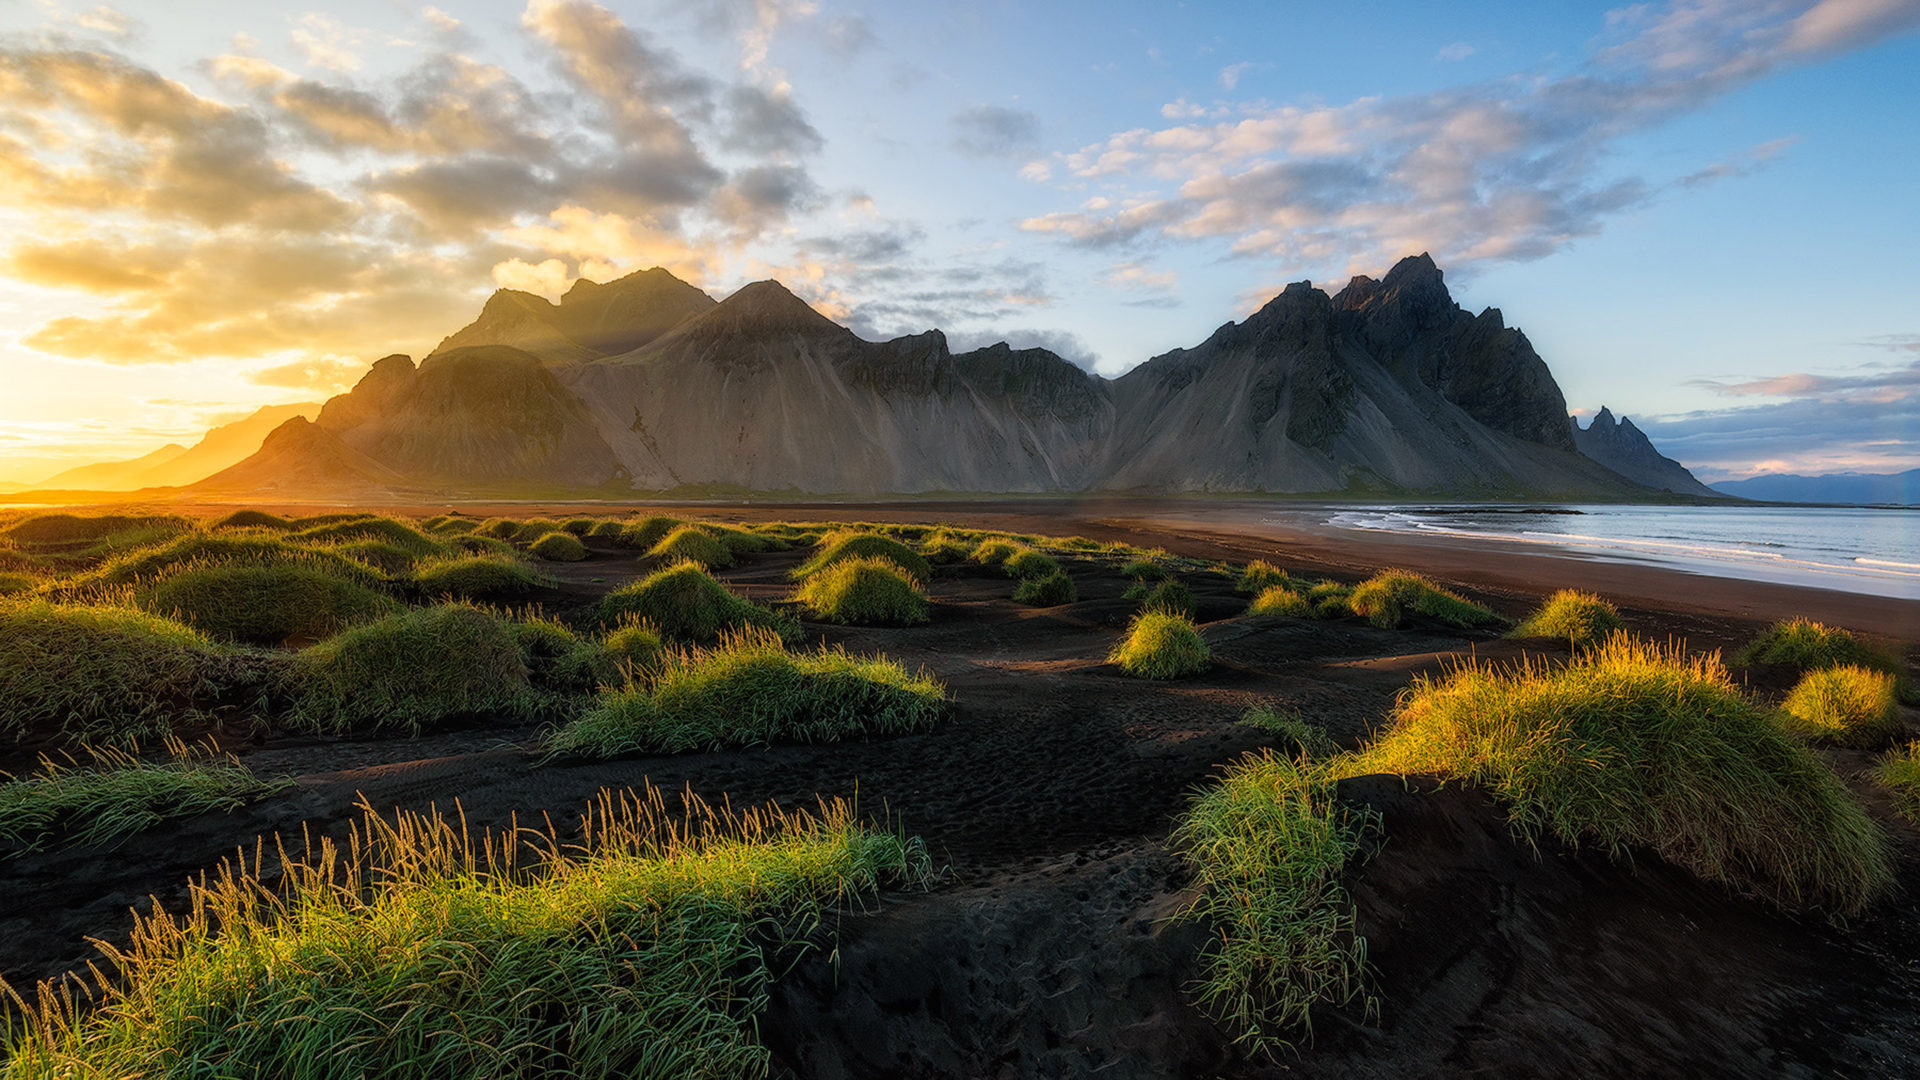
1852, 550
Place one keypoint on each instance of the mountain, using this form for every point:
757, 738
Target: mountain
1626, 450
645, 384
174, 465
1898, 489
302, 459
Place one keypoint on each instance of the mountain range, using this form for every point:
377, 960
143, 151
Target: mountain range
646, 384
174, 465
1625, 449
1874, 489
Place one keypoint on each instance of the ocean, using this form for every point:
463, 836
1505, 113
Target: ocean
1851, 550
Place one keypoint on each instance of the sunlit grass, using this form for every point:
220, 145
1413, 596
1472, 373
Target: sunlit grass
422, 950
872, 591
1161, 645
1386, 599
1579, 618
685, 603
1280, 600
262, 604
413, 671
1847, 705
691, 543
846, 546
558, 547
478, 576
1050, 590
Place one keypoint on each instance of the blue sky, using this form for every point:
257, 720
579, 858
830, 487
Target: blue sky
1703, 213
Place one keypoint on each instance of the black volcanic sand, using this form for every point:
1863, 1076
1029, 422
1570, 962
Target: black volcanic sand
1047, 794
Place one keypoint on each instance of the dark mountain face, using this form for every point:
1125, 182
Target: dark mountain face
1387, 387
1872, 489
1626, 450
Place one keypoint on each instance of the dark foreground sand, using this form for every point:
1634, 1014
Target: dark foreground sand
1048, 795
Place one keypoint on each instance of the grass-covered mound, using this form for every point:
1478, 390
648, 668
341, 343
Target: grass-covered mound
1028, 563
865, 592
99, 671
558, 547
606, 530
993, 551
845, 547
118, 794
1580, 618
12, 584
94, 535
391, 560
1050, 591
533, 529
483, 545
1810, 646
691, 543
1143, 570
1280, 600
560, 661
385, 530
13, 560
1330, 599
1305, 738
475, 577
1161, 645
413, 671
252, 519
750, 691
745, 541
1260, 575
581, 527
1899, 772
1170, 596
634, 648
644, 534
1386, 599
203, 549
263, 605
1268, 847
685, 603
422, 950
942, 549
1632, 745
498, 528
1846, 705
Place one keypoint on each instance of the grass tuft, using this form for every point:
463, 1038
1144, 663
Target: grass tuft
645, 533
1280, 600
993, 551
1899, 772
1632, 745
751, 691
873, 591
477, 577
1847, 705
685, 603
199, 549
1268, 847
559, 547
1143, 570
1261, 575
1161, 645
1387, 598
252, 519
385, 530
1170, 596
483, 545
1308, 739
120, 794
1028, 563
1810, 646
843, 547
413, 671
1580, 618
1051, 590
262, 605
420, 949
691, 543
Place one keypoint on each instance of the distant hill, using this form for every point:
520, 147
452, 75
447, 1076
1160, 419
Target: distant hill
1899, 489
646, 384
174, 465
1625, 449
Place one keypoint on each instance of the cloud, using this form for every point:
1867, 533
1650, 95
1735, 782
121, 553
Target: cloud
324, 375
327, 43
994, 131
1506, 170
1230, 75
1065, 344
1137, 277
768, 122
1454, 53
847, 35
1868, 419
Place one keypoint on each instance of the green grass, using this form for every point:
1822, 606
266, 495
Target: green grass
252, 519
943, 550
414, 671
581, 527
483, 545
1169, 596
846, 546
1308, 739
478, 577
1280, 600
1386, 599
499, 528
391, 560
1161, 645
635, 648
1143, 570
606, 530
17, 584
262, 605
559, 547
1847, 705
533, 529
423, 949
119, 794
751, 691
685, 603
12, 559
199, 549
1028, 563
1580, 618
1330, 600
1268, 847
561, 661
692, 543
1051, 590
1899, 772
1810, 646
645, 533
745, 542
385, 530
1636, 746
994, 551
1261, 575
98, 671
872, 591
96, 535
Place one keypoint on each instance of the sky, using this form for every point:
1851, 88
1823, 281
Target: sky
1703, 213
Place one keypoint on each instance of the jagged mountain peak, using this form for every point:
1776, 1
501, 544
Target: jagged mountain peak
591, 321
765, 307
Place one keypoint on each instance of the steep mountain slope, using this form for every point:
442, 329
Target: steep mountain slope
1626, 450
646, 384
1899, 489
590, 321
174, 465
301, 459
